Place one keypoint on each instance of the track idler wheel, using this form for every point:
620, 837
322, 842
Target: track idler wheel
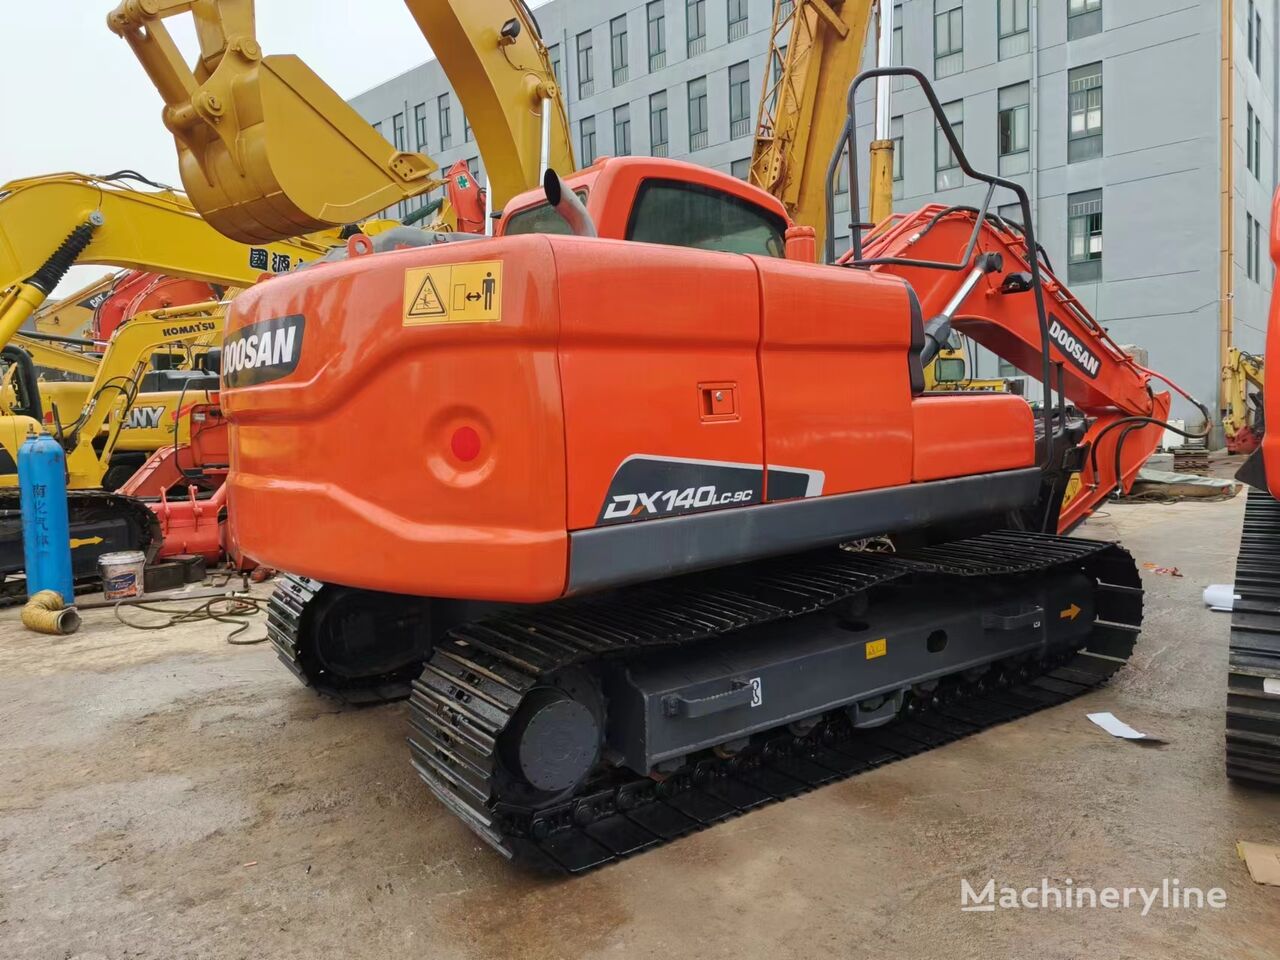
552, 743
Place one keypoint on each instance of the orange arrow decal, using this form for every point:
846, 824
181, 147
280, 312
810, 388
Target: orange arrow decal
1070, 613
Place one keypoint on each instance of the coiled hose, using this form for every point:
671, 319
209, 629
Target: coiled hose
46, 612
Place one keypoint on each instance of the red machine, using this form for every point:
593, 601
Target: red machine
1253, 684
136, 291
619, 559
192, 521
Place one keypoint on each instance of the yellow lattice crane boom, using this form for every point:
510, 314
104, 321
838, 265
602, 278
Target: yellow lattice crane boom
815, 51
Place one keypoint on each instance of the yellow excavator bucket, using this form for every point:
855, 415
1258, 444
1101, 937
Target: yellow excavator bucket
266, 148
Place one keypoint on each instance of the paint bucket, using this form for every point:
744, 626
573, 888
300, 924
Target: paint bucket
122, 574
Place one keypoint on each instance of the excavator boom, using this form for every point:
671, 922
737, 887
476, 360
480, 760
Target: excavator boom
49, 223
249, 128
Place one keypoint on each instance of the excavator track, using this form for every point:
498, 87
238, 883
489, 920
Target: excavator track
1253, 682
100, 521
303, 614
481, 674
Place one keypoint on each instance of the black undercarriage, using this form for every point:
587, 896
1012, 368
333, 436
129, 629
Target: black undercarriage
571, 734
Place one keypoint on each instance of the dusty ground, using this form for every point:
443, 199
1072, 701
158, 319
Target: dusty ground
170, 796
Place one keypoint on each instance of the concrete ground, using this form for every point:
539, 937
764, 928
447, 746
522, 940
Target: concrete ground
166, 795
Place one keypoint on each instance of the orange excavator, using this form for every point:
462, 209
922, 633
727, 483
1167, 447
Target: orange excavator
681, 531
1253, 683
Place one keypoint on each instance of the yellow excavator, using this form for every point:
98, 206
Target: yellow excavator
48, 224
249, 127
1242, 419
72, 316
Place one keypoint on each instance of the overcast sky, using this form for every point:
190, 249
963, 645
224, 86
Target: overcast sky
73, 97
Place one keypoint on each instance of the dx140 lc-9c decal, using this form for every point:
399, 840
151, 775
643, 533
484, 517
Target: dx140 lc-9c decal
646, 487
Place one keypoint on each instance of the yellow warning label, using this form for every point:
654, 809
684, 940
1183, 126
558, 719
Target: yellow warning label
456, 293
877, 648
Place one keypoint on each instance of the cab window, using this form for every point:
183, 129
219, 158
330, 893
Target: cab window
689, 215
541, 218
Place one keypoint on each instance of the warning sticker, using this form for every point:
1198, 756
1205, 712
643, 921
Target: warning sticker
454, 293
877, 648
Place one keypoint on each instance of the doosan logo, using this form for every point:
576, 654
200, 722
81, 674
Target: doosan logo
262, 351
1073, 349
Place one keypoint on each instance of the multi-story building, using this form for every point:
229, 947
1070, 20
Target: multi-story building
1111, 113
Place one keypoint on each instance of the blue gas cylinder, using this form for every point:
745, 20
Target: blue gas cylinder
46, 529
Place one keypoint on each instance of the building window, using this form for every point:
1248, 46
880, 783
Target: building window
1254, 27
1257, 42
1084, 108
587, 137
1084, 18
467, 135
897, 60
841, 192
1084, 237
1248, 243
1013, 126
622, 130
697, 114
420, 126
442, 114
377, 128
741, 168
1014, 28
948, 38
695, 19
657, 35
1253, 140
899, 144
586, 73
473, 164
618, 49
397, 131
1250, 155
1253, 247
553, 52
739, 100
1011, 213
946, 164
737, 19
658, 134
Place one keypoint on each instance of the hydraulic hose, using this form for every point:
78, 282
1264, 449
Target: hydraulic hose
46, 612
1132, 423
51, 272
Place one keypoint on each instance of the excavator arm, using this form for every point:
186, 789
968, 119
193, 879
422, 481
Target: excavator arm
49, 223
268, 150
992, 303
117, 379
